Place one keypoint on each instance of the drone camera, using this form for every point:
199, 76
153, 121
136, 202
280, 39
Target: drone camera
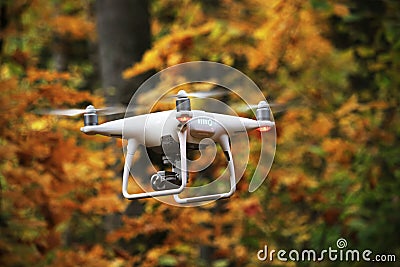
165, 180
90, 117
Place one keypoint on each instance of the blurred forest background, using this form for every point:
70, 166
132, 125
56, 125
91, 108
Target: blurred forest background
334, 64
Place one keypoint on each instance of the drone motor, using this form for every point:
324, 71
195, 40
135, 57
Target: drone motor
183, 108
263, 113
90, 117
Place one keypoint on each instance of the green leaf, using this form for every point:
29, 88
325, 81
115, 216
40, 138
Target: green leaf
221, 263
167, 260
317, 150
320, 5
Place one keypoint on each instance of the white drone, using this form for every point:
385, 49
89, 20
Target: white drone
175, 132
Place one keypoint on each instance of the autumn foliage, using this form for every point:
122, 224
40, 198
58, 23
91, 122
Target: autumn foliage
334, 66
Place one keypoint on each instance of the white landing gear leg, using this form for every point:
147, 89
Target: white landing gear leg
131, 149
224, 142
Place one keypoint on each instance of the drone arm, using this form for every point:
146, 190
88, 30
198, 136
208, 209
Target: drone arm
224, 142
111, 128
132, 146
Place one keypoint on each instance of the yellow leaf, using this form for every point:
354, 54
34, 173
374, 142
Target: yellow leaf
351, 105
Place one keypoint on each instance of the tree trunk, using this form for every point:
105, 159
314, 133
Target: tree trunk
124, 35
3, 24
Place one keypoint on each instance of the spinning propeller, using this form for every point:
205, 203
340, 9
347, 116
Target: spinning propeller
120, 109
275, 106
203, 94
74, 111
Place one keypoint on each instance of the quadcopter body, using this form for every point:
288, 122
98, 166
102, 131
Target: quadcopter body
173, 132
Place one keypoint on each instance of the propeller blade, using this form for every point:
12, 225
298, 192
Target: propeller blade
74, 111
112, 110
274, 106
207, 94
203, 94
62, 112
